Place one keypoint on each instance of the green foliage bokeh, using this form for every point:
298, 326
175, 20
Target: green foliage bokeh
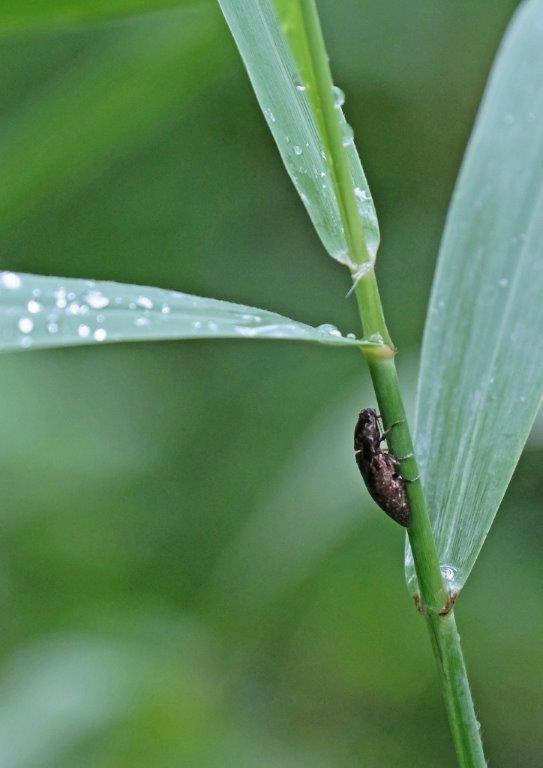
162, 602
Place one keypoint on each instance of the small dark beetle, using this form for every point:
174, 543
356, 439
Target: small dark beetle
380, 470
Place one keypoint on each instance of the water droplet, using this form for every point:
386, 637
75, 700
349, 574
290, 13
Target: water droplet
10, 280
348, 135
376, 338
145, 302
300, 87
97, 300
197, 325
142, 321
448, 572
100, 334
329, 330
77, 309
83, 331
25, 325
339, 97
269, 114
52, 328
297, 150
503, 282
351, 336
34, 307
361, 194
166, 309
213, 327
60, 298
26, 342
247, 332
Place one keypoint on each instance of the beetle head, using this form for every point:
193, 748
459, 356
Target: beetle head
367, 433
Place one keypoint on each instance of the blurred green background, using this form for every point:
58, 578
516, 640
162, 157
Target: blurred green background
191, 571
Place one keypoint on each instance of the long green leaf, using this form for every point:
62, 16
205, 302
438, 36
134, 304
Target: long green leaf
38, 312
272, 41
21, 15
481, 378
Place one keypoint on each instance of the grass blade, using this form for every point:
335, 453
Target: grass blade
272, 40
38, 312
481, 378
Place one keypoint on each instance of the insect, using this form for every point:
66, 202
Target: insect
380, 470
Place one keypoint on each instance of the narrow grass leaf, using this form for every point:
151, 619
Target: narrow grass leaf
481, 378
38, 312
272, 41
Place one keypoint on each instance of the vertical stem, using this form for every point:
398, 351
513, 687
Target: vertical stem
435, 601
456, 691
387, 389
352, 222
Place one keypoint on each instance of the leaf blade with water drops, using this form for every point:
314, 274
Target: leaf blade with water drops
481, 378
38, 312
271, 37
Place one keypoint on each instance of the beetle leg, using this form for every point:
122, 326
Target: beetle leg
414, 480
389, 429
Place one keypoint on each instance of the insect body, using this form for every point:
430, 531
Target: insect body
380, 469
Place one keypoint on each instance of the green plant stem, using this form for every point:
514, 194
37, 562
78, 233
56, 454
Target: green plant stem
387, 390
434, 598
333, 134
456, 691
